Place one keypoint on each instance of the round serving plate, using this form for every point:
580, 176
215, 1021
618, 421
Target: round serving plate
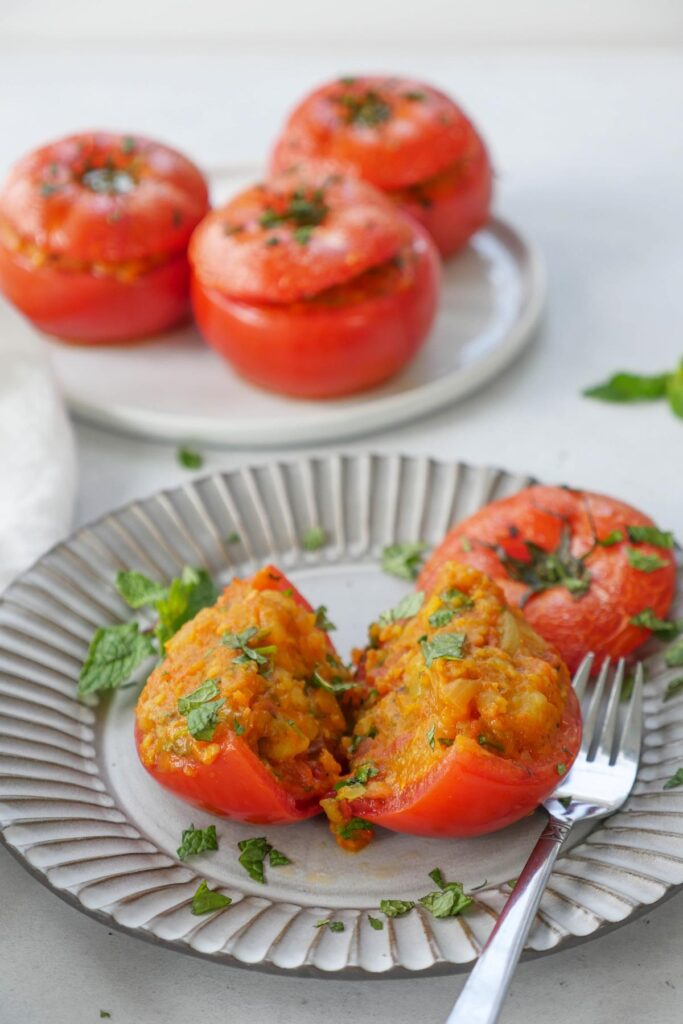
176, 388
78, 810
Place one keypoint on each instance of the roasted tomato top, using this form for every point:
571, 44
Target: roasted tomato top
264, 674
296, 235
395, 131
469, 718
100, 198
581, 565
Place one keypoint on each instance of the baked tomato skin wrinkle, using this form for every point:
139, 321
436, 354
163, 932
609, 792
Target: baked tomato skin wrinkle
93, 236
468, 724
313, 284
596, 591
405, 137
263, 746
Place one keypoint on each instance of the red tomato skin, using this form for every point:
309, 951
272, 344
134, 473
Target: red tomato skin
472, 793
81, 307
236, 784
455, 213
312, 351
598, 620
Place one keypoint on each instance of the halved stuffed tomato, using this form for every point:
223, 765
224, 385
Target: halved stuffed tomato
468, 722
93, 236
241, 717
583, 566
406, 138
313, 284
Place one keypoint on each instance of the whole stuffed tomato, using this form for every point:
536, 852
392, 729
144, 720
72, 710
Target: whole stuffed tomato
406, 138
241, 717
93, 236
313, 284
588, 570
469, 719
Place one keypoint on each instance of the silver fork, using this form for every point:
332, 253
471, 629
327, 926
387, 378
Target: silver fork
597, 785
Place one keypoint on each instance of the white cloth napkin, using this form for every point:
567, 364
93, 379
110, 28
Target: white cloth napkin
37, 455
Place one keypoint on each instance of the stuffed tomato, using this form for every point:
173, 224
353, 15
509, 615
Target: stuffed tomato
468, 722
313, 283
589, 571
93, 236
404, 137
242, 716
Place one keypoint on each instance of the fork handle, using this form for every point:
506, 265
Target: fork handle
482, 998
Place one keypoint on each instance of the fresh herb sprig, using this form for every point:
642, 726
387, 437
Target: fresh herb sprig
635, 387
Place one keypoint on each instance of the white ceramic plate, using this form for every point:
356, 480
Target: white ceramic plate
79, 811
175, 387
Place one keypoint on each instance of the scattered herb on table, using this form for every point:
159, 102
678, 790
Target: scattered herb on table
634, 387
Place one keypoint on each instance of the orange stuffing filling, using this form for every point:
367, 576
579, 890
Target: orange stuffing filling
464, 670
274, 698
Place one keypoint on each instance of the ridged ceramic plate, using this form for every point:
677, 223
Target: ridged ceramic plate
176, 387
80, 812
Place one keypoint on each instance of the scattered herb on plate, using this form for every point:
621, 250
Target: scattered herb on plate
206, 900
403, 560
189, 458
196, 841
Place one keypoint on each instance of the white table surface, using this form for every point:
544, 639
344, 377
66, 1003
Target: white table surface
589, 151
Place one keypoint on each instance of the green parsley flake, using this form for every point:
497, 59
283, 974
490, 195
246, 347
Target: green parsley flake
396, 908
260, 656
189, 458
362, 775
406, 608
314, 538
196, 841
449, 646
322, 621
114, 654
353, 825
403, 560
651, 535
441, 617
645, 563
206, 900
674, 688
675, 780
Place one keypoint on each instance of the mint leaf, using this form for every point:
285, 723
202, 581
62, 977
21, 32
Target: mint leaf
114, 653
436, 875
185, 596
375, 923
209, 690
674, 392
278, 859
360, 777
138, 590
408, 607
441, 617
196, 841
642, 561
253, 853
630, 387
403, 560
674, 654
335, 685
202, 720
660, 627
189, 458
675, 780
651, 535
314, 538
449, 900
206, 900
395, 908
334, 926
615, 537
444, 645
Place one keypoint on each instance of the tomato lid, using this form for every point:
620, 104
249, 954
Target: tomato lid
296, 235
395, 131
103, 197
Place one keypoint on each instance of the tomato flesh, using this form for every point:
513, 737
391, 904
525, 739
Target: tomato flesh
404, 137
93, 236
347, 339
597, 618
234, 781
